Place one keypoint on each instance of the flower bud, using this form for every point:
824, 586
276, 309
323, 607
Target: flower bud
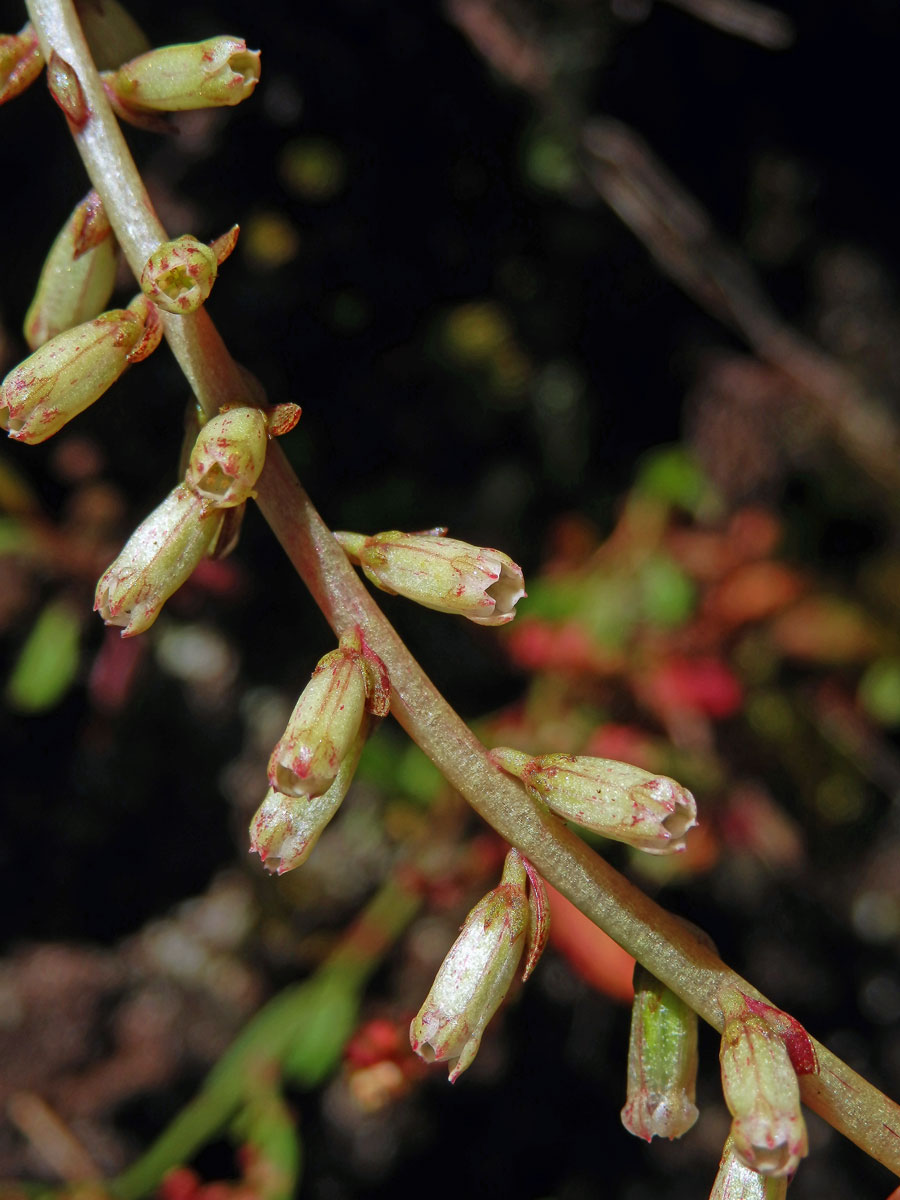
662, 1061
622, 802
285, 829
179, 275
324, 723
67, 374
476, 975
210, 74
156, 560
78, 274
21, 62
737, 1181
761, 1091
228, 457
440, 573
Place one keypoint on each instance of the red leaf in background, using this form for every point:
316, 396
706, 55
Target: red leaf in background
702, 685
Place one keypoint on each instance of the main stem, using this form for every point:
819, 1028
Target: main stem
655, 937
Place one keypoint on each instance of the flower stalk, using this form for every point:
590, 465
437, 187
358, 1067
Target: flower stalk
647, 931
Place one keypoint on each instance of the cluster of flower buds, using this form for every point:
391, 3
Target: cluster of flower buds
21, 62
211, 74
67, 374
164, 550
662, 1061
759, 1079
312, 765
650, 812
479, 970
736, 1181
440, 573
77, 277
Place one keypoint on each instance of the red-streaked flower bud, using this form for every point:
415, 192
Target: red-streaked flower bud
761, 1091
650, 812
211, 74
228, 456
737, 1181
67, 374
662, 1061
440, 573
78, 274
476, 975
285, 829
156, 560
20, 62
179, 275
326, 720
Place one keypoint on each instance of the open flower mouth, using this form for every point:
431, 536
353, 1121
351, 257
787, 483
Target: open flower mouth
506, 593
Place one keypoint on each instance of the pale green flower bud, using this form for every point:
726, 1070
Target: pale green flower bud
228, 457
179, 275
737, 1181
156, 560
323, 726
211, 74
67, 374
761, 1091
476, 974
650, 812
21, 62
440, 573
285, 829
78, 274
662, 1061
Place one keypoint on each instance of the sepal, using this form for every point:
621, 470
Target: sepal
440, 573
77, 277
662, 1061
156, 560
620, 801
211, 74
21, 62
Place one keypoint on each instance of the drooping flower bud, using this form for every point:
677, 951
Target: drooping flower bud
650, 812
67, 374
156, 560
440, 573
21, 62
761, 1090
737, 1181
78, 274
476, 974
179, 275
662, 1061
228, 456
327, 718
285, 829
211, 74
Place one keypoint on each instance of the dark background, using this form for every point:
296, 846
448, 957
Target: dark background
436, 208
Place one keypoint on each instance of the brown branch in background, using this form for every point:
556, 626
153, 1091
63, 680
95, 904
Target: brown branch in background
625, 173
756, 22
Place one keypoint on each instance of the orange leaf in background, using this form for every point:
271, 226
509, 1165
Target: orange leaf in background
753, 592
826, 629
592, 954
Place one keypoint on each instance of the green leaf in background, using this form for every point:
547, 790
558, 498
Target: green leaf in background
879, 691
670, 474
668, 595
48, 660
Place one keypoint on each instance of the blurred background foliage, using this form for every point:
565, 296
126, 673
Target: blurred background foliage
688, 439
